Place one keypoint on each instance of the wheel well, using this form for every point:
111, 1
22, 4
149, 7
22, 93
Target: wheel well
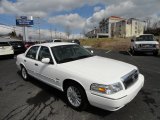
21, 65
68, 81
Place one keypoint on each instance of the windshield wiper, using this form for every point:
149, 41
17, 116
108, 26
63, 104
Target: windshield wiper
66, 60
84, 56
72, 59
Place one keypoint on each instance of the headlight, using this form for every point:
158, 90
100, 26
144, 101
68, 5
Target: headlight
157, 46
106, 89
137, 45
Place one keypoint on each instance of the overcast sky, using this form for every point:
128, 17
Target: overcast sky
78, 15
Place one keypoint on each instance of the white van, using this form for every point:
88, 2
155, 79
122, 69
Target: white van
145, 43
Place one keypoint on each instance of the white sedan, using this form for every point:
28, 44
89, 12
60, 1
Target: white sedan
84, 78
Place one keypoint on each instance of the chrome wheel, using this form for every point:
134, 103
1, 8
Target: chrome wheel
24, 73
74, 96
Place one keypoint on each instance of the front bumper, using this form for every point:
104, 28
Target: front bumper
113, 104
146, 50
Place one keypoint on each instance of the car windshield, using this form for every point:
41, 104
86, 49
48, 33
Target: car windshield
4, 44
67, 53
145, 38
57, 41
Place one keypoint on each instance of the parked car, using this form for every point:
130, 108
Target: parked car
84, 78
56, 40
28, 44
145, 43
6, 49
18, 46
76, 41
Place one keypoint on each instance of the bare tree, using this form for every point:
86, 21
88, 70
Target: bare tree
68, 31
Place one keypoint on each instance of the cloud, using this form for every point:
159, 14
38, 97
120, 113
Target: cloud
42, 8
125, 8
72, 21
46, 8
97, 9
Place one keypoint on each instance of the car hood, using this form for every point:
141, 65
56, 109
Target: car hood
146, 42
98, 69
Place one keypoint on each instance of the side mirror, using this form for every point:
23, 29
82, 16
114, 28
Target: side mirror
92, 51
157, 40
45, 60
132, 40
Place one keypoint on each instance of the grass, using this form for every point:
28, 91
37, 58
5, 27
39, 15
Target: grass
118, 44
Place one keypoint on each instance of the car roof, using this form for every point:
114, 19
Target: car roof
55, 44
8, 40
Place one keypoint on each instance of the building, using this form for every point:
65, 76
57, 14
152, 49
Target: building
127, 28
118, 27
93, 33
105, 25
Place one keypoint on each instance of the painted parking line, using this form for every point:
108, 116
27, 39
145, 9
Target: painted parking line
129, 53
108, 51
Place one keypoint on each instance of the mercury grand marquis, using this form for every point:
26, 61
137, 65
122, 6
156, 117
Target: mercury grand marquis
83, 77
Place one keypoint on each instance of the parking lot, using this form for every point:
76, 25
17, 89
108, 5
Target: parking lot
28, 100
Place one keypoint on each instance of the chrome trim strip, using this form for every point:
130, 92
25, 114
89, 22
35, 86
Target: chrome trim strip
108, 97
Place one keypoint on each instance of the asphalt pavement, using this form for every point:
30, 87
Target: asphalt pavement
34, 100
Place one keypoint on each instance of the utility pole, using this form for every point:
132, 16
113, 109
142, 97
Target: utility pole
60, 35
51, 32
55, 32
39, 31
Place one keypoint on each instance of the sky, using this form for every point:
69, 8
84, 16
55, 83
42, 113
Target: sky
76, 16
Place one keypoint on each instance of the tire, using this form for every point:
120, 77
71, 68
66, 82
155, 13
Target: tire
24, 73
12, 56
76, 96
155, 53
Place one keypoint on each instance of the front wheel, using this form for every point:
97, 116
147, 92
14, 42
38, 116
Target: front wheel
76, 97
24, 73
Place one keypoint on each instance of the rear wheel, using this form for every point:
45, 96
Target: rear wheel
24, 73
76, 96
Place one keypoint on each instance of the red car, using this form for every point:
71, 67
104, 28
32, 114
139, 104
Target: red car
28, 44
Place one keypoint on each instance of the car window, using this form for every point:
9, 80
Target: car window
146, 38
4, 44
44, 53
66, 53
57, 41
32, 52
16, 43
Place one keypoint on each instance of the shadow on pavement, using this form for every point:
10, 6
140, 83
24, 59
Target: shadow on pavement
124, 53
137, 54
48, 92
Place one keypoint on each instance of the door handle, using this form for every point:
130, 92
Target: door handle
25, 61
36, 64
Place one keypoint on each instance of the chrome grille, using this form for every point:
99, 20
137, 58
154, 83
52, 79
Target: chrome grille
130, 79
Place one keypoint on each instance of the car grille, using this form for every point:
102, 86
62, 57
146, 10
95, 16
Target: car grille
130, 79
147, 45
